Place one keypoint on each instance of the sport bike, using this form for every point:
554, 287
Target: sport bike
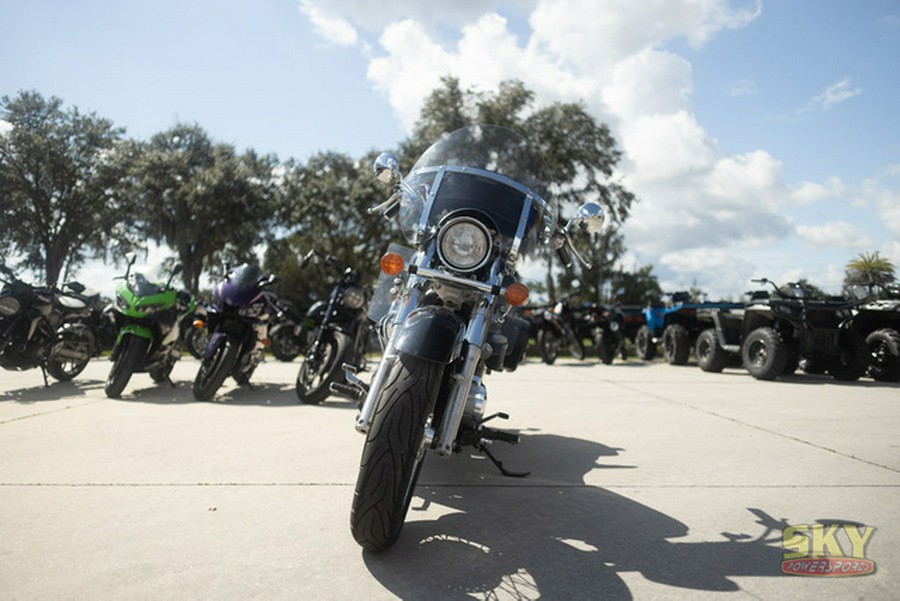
472, 206
152, 318
238, 324
43, 327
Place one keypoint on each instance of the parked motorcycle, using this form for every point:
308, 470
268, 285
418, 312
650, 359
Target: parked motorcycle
151, 317
339, 337
288, 333
196, 337
472, 206
607, 332
238, 324
557, 326
39, 327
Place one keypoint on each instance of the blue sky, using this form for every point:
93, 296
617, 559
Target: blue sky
761, 136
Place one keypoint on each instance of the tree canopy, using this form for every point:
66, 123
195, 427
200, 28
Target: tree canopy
59, 177
870, 270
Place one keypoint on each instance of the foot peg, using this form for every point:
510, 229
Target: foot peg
355, 389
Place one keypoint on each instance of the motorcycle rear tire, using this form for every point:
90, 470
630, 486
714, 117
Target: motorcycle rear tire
313, 389
284, 345
212, 372
128, 361
884, 350
392, 457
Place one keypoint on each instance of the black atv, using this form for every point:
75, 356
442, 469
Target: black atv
877, 321
777, 332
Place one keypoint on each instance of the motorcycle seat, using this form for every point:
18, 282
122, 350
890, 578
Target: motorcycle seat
71, 302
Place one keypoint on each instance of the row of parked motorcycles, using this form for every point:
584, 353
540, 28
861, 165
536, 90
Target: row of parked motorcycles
151, 322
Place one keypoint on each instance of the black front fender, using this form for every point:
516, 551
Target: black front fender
431, 333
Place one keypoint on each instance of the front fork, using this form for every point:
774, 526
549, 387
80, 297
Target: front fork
476, 333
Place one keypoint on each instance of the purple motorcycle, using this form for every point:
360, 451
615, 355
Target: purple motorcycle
237, 322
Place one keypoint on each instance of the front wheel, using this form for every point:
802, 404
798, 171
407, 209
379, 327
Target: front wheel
605, 347
70, 356
128, 361
548, 345
214, 370
710, 354
285, 345
676, 344
393, 453
643, 341
319, 370
765, 354
884, 350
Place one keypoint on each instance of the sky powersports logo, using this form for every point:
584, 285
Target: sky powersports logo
827, 550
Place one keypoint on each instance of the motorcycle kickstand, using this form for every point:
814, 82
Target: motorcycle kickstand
482, 448
44, 373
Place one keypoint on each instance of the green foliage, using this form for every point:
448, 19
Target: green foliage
581, 155
204, 200
59, 176
870, 270
639, 287
325, 202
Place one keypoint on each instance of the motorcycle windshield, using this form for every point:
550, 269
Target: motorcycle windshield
240, 287
486, 169
141, 286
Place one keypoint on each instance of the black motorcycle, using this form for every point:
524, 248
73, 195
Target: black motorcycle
288, 333
238, 324
560, 325
472, 206
340, 334
607, 325
40, 327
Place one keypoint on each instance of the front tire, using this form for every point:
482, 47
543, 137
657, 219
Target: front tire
314, 381
128, 361
605, 347
676, 344
710, 355
71, 355
884, 349
646, 349
765, 354
393, 454
548, 344
212, 372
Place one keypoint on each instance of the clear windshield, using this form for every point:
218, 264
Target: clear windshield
465, 166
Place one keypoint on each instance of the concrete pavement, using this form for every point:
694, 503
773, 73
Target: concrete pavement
647, 481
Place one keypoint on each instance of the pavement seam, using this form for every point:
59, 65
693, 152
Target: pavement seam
50, 411
449, 485
760, 428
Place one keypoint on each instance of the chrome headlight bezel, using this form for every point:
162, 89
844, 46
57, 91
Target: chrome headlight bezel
9, 306
453, 252
353, 297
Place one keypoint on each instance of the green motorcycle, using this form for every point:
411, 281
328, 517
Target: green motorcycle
151, 318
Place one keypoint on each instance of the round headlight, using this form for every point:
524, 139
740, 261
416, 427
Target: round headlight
354, 297
9, 306
464, 244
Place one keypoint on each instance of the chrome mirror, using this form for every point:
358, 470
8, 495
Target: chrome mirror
589, 218
387, 168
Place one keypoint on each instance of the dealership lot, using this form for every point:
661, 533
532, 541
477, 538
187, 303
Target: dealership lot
647, 481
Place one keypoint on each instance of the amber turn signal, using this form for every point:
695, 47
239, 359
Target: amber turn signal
198, 324
391, 263
516, 294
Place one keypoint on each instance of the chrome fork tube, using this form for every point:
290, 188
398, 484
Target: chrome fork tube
462, 381
367, 411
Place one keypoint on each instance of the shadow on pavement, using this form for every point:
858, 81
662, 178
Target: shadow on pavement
53, 392
556, 538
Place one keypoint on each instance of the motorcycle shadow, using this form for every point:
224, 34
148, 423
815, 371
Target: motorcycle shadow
53, 392
264, 394
554, 537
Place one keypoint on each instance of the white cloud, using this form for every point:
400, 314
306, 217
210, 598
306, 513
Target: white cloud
835, 94
703, 215
335, 30
834, 234
743, 87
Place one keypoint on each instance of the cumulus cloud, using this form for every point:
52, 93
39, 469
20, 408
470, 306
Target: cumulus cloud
699, 207
333, 29
838, 234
